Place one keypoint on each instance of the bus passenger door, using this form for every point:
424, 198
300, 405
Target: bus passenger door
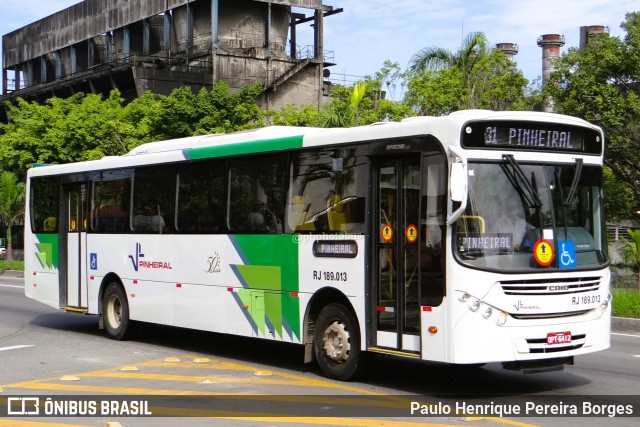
74, 291
396, 263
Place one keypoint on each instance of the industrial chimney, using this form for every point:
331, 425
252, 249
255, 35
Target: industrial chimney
588, 32
509, 49
550, 44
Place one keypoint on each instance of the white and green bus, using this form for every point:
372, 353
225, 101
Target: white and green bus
472, 238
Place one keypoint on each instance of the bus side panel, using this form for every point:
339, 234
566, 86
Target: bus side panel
262, 272
334, 266
42, 281
433, 343
145, 265
201, 299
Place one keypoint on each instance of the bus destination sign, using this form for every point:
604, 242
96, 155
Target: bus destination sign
535, 136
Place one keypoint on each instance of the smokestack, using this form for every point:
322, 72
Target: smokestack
509, 49
550, 44
588, 32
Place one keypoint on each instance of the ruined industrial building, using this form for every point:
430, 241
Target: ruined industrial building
158, 45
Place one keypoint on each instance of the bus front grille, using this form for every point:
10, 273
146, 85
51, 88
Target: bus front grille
558, 286
539, 345
547, 315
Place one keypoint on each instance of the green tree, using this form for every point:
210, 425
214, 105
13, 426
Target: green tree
59, 131
473, 77
631, 251
11, 205
473, 49
601, 83
291, 115
618, 197
344, 111
436, 92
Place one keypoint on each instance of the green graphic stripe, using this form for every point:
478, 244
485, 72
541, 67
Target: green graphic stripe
47, 250
271, 275
234, 149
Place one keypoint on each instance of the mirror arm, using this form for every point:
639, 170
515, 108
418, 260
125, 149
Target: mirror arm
451, 219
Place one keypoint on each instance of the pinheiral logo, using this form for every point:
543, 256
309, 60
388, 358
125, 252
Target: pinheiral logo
138, 261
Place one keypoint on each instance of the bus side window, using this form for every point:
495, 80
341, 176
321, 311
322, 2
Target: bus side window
326, 192
256, 195
111, 206
200, 198
154, 199
45, 199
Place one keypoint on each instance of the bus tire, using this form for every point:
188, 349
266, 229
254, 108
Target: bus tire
337, 343
115, 312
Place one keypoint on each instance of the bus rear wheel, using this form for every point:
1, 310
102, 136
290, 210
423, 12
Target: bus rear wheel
115, 312
337, 343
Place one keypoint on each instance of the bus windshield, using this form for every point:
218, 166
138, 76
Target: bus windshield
528, 217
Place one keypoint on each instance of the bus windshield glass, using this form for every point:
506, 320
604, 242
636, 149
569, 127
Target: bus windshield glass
526, 217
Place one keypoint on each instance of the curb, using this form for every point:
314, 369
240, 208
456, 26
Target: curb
12, 273
625, 324
618, 324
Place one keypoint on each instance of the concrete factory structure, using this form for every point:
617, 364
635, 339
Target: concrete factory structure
158, 45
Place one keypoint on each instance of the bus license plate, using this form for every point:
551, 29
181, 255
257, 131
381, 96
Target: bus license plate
558, 338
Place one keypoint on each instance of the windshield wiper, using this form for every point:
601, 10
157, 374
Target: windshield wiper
574, 184
521, 183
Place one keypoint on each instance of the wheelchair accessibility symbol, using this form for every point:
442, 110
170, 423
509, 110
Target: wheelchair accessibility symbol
567, 256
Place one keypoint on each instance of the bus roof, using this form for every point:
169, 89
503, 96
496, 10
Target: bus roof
276, 138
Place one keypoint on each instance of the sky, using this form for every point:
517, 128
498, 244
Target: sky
369, 32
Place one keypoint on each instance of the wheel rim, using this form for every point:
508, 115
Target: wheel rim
336, 342
114, 311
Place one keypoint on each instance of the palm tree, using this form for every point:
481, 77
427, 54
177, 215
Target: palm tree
341, 114
11, 204
631, 251
474, 48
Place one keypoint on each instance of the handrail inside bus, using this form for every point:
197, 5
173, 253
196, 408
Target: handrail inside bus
453, 151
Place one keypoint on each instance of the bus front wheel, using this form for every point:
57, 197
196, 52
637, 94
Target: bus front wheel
337, 343
115, 311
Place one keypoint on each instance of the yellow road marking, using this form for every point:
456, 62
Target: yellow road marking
197, 379
286, 379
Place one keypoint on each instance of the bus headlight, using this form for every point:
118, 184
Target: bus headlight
474, 306
463, 297
501, 319
602, 307
487, 312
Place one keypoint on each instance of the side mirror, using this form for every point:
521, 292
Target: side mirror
458, 182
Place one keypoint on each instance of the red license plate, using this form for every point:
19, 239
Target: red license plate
558, 338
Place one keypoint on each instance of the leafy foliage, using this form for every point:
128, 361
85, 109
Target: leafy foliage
631, 251
601, 84
11, 204
86, 127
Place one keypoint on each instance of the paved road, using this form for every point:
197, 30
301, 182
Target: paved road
46, 352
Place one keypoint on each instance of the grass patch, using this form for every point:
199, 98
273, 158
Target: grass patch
11, 265
626, 303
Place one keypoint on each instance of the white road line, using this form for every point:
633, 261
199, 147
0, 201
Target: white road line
12, 286
625, 335
15, 347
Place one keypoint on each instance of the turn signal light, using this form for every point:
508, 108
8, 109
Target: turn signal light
432, 329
